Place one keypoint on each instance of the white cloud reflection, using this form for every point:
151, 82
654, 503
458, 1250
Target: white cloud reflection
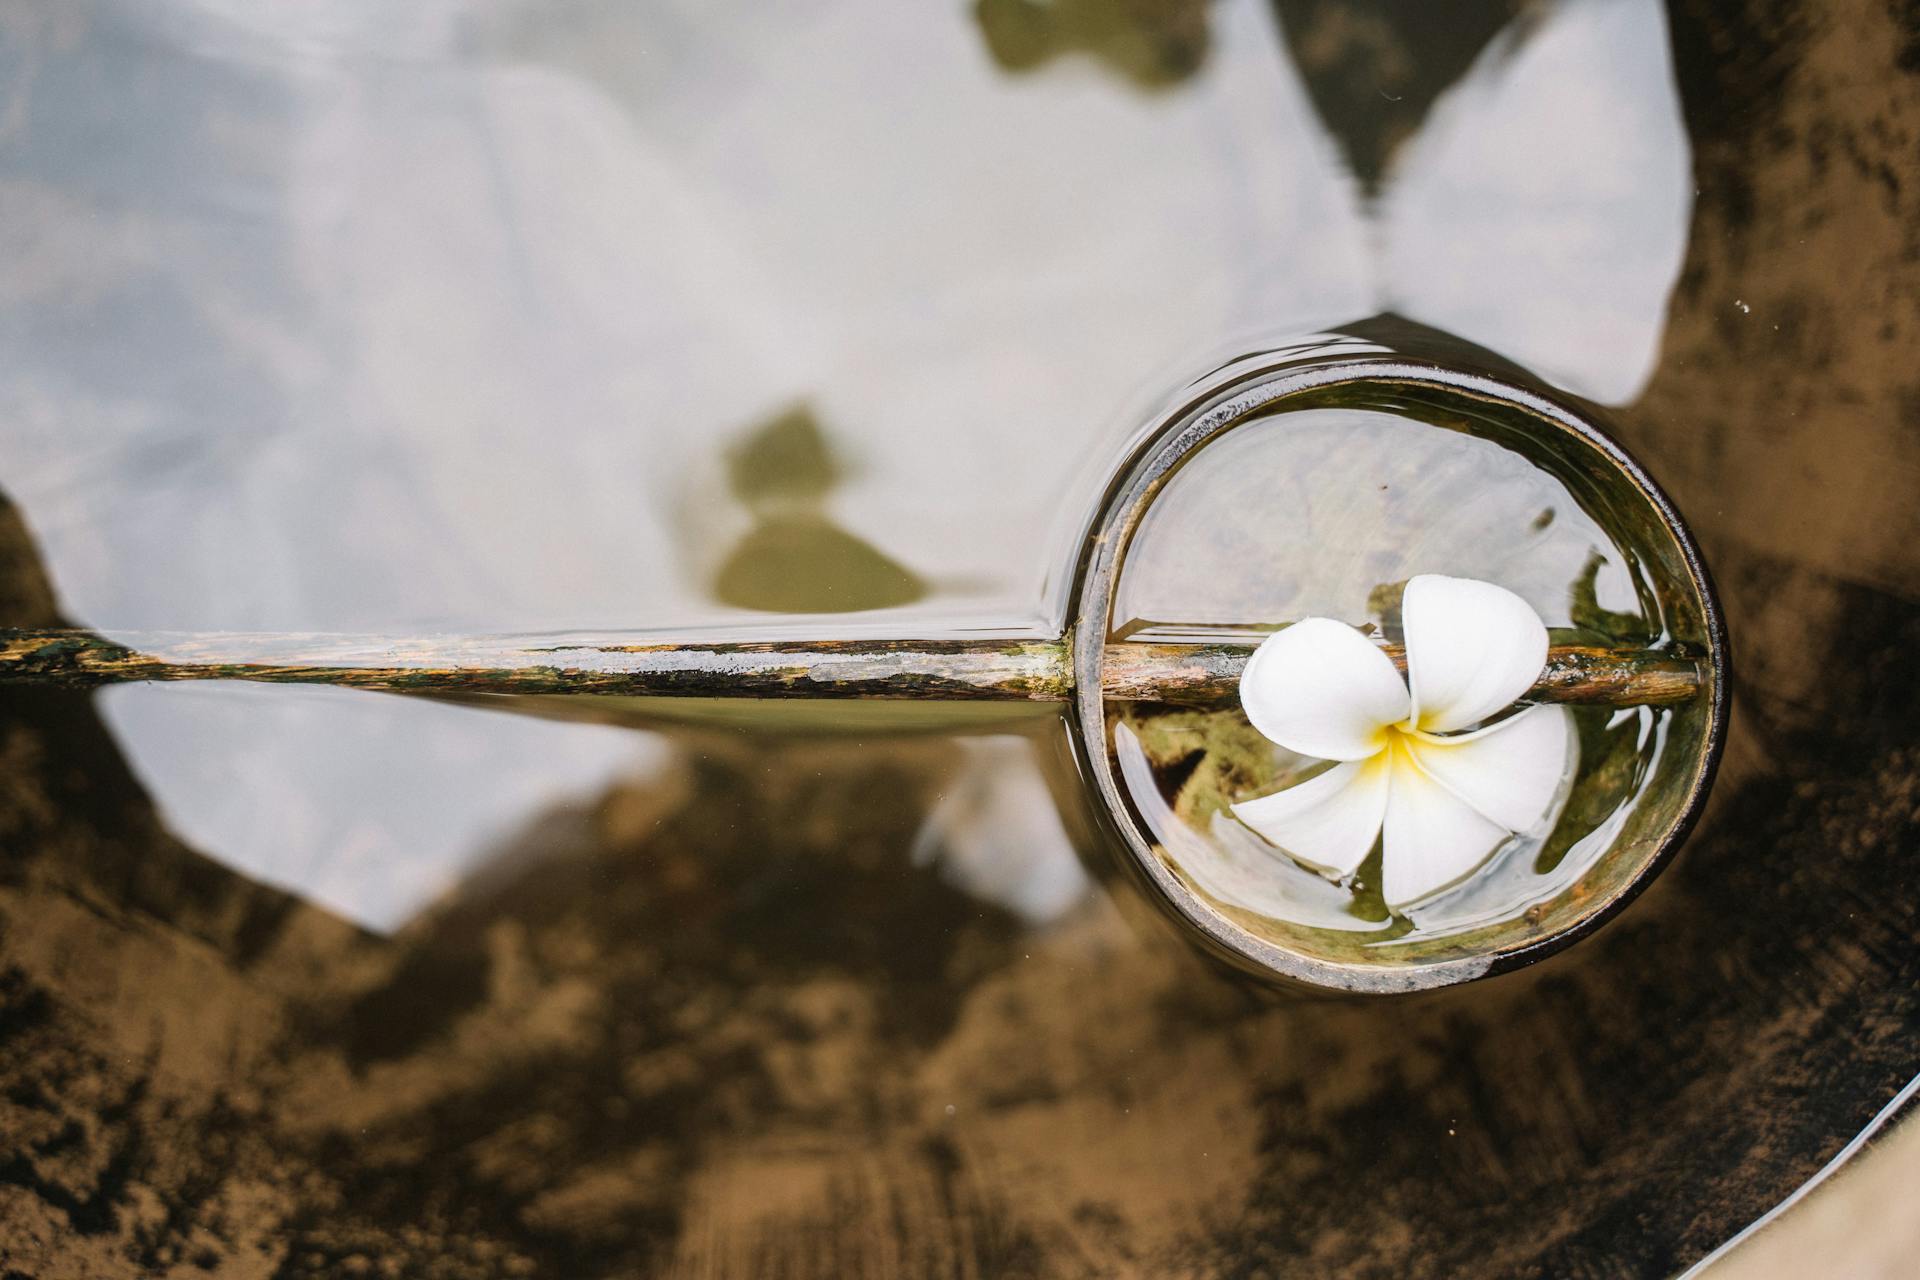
996, 833
369, 806
337, 317
1543, 208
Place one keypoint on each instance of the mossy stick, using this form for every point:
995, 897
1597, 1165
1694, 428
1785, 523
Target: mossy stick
947, 670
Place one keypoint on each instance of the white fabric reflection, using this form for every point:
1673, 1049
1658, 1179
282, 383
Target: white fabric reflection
350, 323
370, 806
344, 321
1542, 210
442, 340
341, 318
996, 834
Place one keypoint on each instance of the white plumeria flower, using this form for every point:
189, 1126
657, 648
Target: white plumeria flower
1412, 768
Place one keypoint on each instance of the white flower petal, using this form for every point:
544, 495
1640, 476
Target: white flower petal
1432, 837
1510, 771
1322, 689
1472, 649
1329, 821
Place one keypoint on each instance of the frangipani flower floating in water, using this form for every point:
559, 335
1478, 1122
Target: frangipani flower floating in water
1420, 763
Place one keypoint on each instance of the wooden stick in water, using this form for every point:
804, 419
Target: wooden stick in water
1580, 675
1201, 675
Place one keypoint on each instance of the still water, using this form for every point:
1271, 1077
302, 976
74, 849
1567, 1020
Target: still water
829, 321
1325, 512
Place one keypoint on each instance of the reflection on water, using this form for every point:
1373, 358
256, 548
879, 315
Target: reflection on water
996, 835
1374, 67
364, 391
348, 317
1313, 510
1542, 209
794, 559
368, 806
1328, 512
1153, 44
435, 339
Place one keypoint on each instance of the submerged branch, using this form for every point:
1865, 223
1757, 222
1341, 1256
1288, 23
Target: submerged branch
948, 670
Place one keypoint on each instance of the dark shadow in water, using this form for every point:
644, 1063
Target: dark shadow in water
1371, 67
1374, 67
796, 559
1154, 44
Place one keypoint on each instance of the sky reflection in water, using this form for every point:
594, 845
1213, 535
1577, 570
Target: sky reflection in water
351, 319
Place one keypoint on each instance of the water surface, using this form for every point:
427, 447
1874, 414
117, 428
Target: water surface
499, 317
